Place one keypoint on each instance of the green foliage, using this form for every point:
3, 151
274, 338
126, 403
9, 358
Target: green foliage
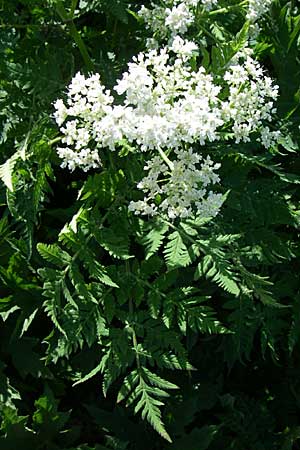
126, 333
176, 252
146, 389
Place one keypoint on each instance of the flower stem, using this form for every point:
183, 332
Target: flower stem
134, 338
75, 35
166, 159
54, 141
226, 9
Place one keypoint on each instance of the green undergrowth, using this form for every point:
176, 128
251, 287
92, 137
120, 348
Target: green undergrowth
126, 332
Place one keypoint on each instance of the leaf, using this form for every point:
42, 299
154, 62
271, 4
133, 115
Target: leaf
149, 407
54, 254
244, 321
217, 268
176, 252
101, 188
143, 387
203, 319
7, 392
156, 380
28, 321
17, 433
89, 375
295, 32
5, 314
129, 383
260, 286
47, 420
154, 239
99, 272
115, 9
266, 164
26, 360
242, 37
117, 244
6, 171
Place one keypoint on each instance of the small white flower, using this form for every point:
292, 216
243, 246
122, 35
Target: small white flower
257, 8
61, 112
184, 48
182, 188
179, 18
269, 138
209, 4
111, 56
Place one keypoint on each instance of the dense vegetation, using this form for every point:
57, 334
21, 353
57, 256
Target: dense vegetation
154, 331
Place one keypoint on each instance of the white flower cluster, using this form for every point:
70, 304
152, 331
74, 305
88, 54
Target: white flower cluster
257, 8
174, 17
86, 103
209, 4
269, 138
183, 48
166, 107
180, 185
251, 97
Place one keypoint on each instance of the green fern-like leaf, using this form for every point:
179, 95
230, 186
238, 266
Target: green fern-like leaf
6, 171
89, 375
244, 321
118, 356
129, 384
116, 8
154, 239
117, 245
176, 252
52, 310
217, 268
97, 270
101, 188
146, 389
260, 286
203, 319
149, 407
54, 254
168, 360
156, 380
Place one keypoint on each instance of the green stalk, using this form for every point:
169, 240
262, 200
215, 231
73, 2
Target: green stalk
166, 159
226, 9
66, 18
134, 338
73, 7
54, 141
206, 32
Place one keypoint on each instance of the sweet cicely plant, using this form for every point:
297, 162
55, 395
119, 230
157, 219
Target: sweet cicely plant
154, 145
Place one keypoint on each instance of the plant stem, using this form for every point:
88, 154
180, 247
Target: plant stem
54, 141
166, 159
73, 7
74, 34
226, 9
134, 339
206, 32
29, 25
